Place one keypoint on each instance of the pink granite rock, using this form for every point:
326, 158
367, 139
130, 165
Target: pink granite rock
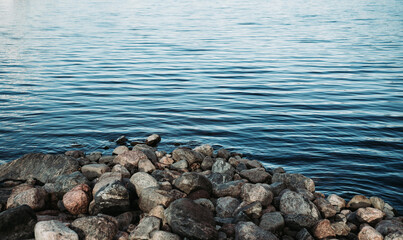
77, 199
324, 229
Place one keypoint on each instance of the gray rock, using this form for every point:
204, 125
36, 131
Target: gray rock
121, 169
92, 171
224, 168
207, 163
146, 226
293, 203
25, 194
277, 187
94, 156
142, 180
205, 149
223, 153
272, 222
218, 178
377, 203
256, 175
341, 228
105, 179
153, 140
54, 230
232, 189
17, 223
146, 165
162, 235
226, 206
189, 219
294, 181
107, 159
152, 197
386, 227
112, 199
101, 227
190, 182
337, 202
148, 151
248, 211
130, 159
187, 154
250, 231
395, 236
254, 164
299, 221
32, 165
75, 154
303, 234
180, 165
326, 209
257, 192
119, 150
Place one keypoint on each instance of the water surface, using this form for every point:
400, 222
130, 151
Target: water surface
312, 86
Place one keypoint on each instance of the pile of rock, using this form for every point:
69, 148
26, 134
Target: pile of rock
142, 193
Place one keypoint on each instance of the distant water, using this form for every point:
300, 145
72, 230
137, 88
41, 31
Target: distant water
312, 86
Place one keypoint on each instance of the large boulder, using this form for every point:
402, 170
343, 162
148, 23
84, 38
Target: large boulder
43, 167
101, 227
386, 227
250, 231
189, 219
190, 182
65, 183
187, 154
54, 230
294, 181
294, 203
17, 223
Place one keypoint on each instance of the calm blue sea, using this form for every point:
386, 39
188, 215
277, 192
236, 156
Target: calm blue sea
312, 86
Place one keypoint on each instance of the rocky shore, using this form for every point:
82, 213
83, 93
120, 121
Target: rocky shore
142, 193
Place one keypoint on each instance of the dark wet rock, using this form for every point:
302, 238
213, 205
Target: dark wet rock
256, 175
337, 202
394, 236
107, 159
369, 233
250, 210
386, 227
304, 234
294, 181
189, 219
112, 199
65, 183
359, 201
121, 140
326, 209
293, 203
223, 153
124, 220
254, 164
199, 194
76, 200
32, 165
277, 187
151, 197
119, 150
101, 227
218, 178
190, 182
226, 206
105, 179
299, 221
25, 194
148, 151
257, 192
94, 156
153, 140
92, 171
272, 222
146, 226
369, 215
187, 154
341, 228
323, 229
180, 165
232, 189
130, 159
75, 154
224, 168
205, 149
250, 231
54, 230
17, 223
142, 180
205, 203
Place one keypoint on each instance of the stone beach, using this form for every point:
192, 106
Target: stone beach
142, 193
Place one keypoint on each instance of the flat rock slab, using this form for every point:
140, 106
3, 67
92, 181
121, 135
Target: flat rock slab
56, 230
43, 167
